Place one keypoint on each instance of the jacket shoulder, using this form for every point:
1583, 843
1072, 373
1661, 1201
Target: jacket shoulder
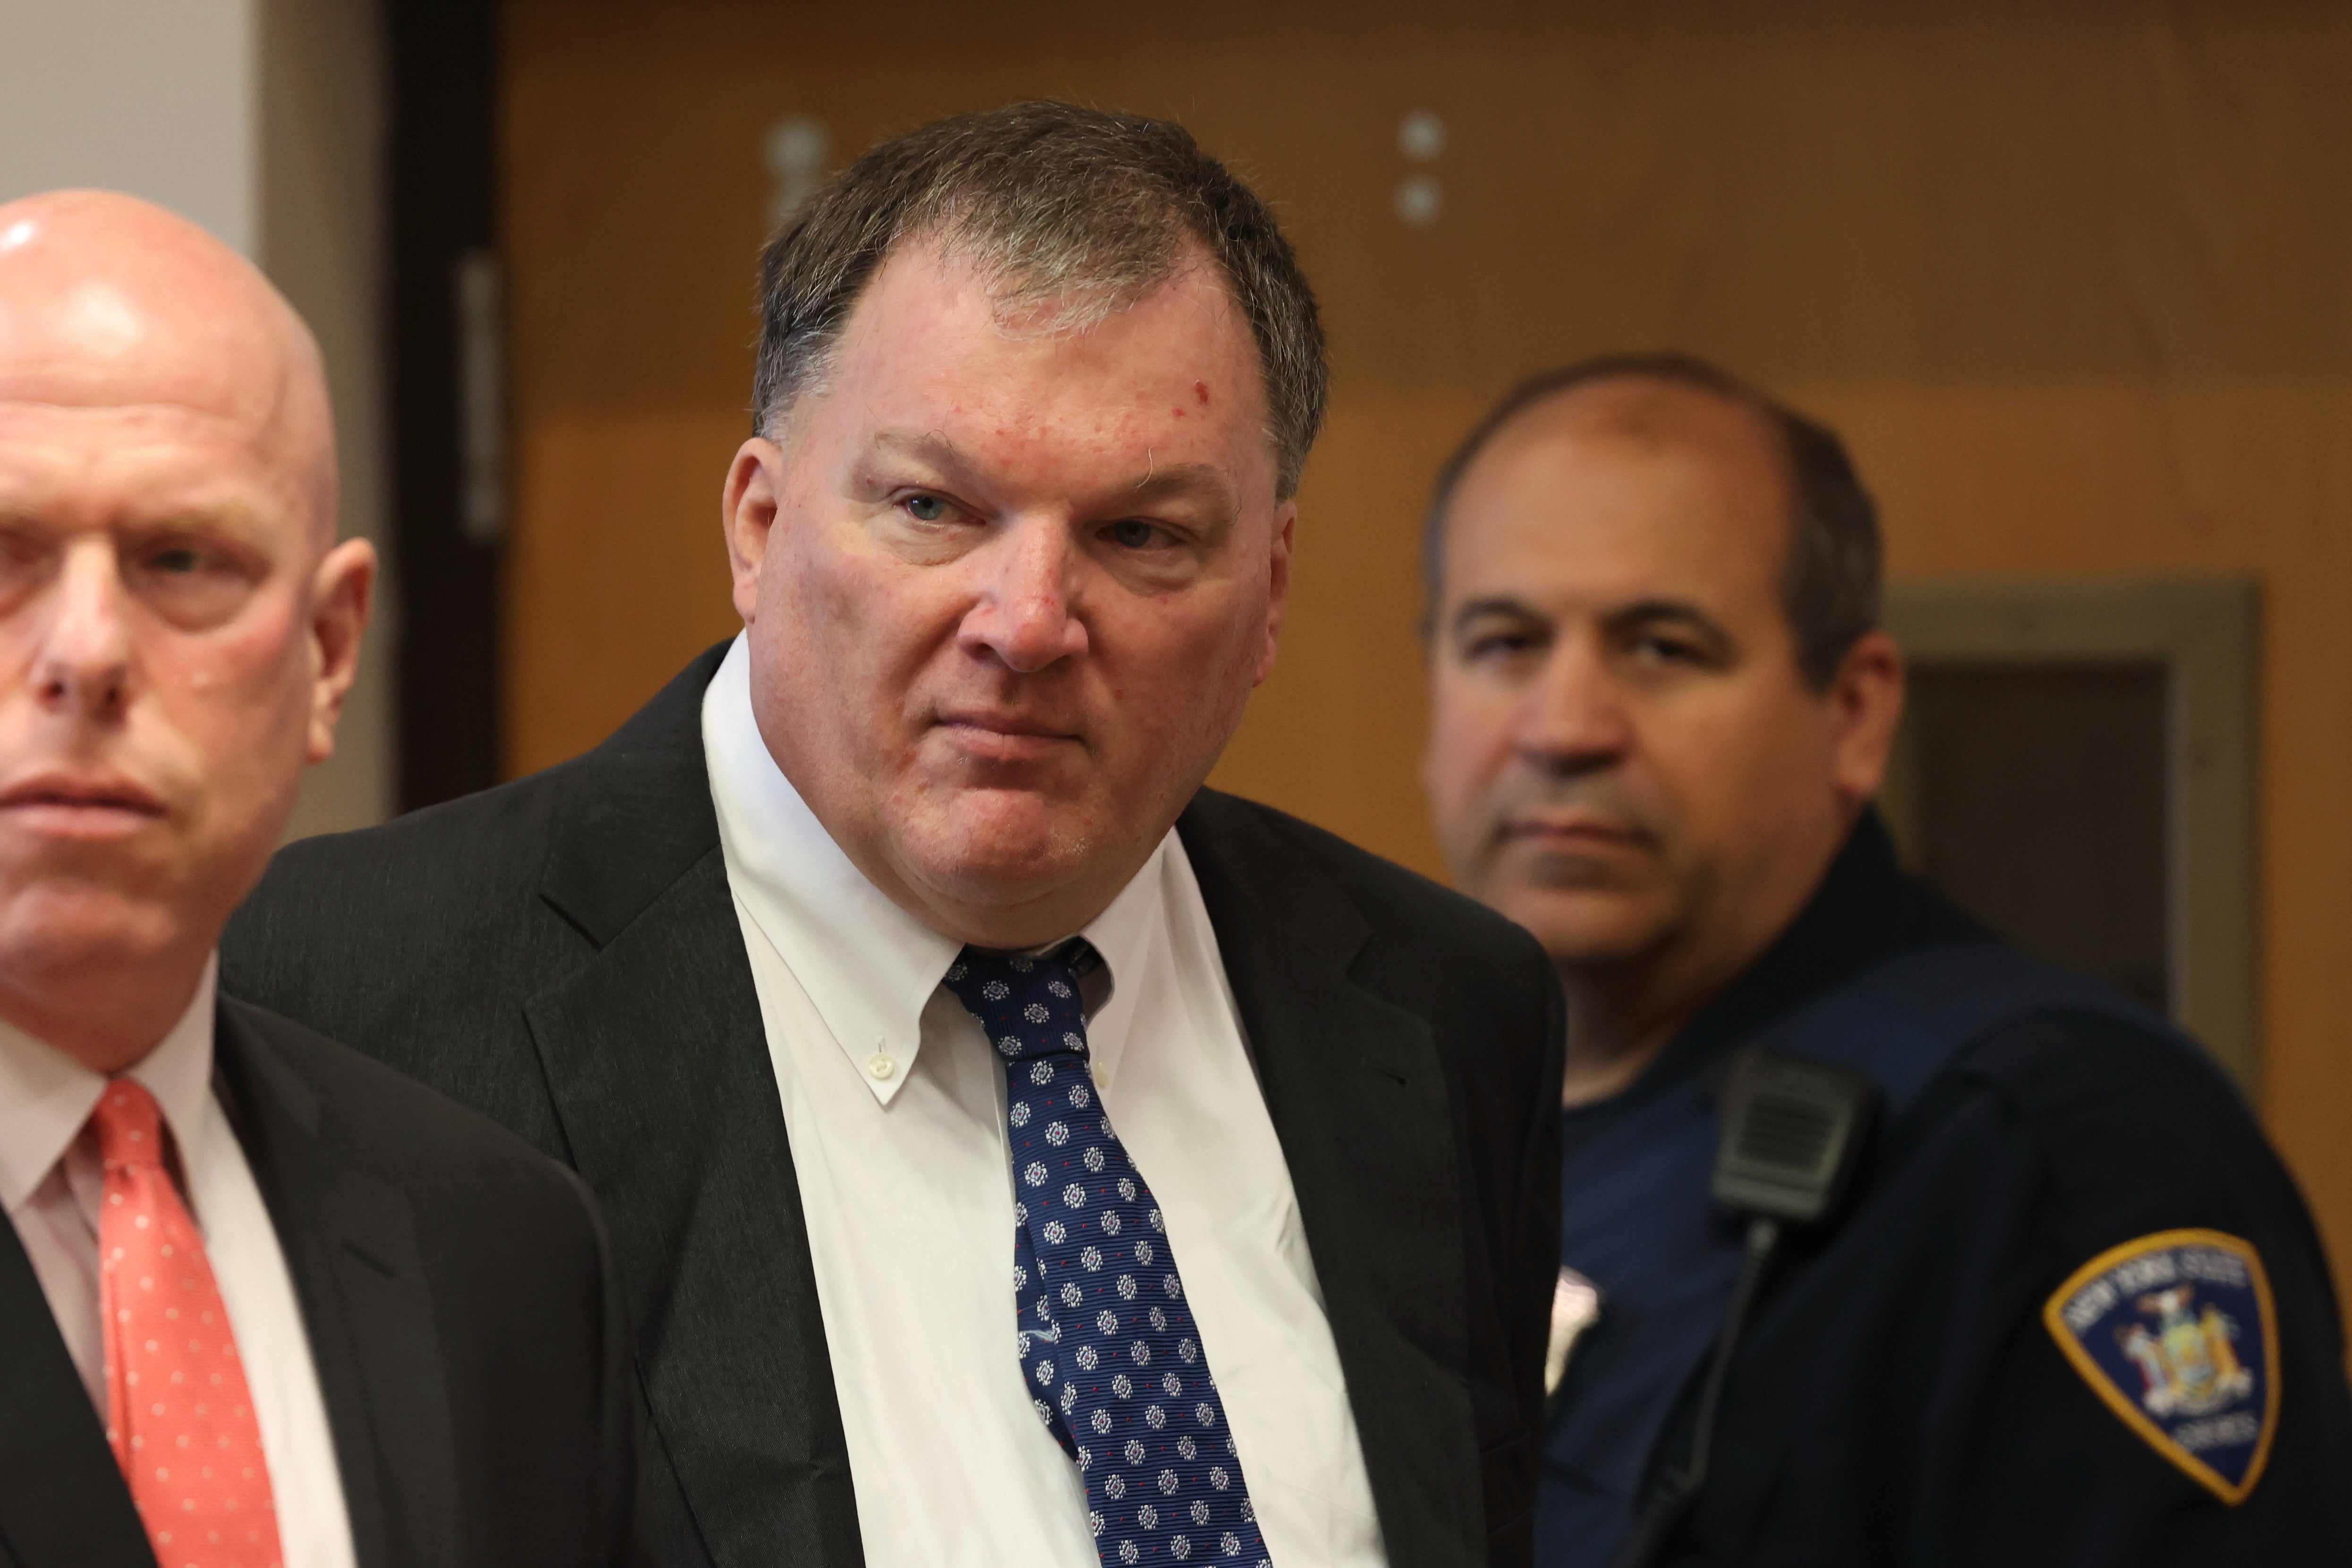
403, 1132
1399, 905
1482, 986
420, 857
467, 1179
395, 929
641, 798
2104, 1090
2139, 1131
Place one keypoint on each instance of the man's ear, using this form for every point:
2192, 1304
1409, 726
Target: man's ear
1285, 521
1867, 703
747, 512
342, 591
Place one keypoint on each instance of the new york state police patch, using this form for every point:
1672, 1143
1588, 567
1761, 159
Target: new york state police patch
2175, 1332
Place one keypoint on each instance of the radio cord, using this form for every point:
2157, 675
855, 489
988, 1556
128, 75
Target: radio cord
1673, 1498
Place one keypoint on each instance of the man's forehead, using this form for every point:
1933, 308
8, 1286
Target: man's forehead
932, 331
95, 346
109, 301
159, 437
114, 465
67, 470
925, 285
1615, 495
1149, 477
1646, 429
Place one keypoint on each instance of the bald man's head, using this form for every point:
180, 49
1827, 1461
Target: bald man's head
178, 628
108, 300
1630, 752
1830, 575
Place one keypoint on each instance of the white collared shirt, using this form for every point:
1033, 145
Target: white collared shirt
895, 1105
51, 1184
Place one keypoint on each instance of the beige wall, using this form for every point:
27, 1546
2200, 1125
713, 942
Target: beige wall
2072, 276
158, 97
322, 240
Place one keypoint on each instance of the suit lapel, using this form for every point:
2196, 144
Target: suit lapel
657, 1060
63, 1503
349, 1245
1360, 1104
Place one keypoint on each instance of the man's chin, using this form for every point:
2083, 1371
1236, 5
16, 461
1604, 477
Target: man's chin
1583, 927
82, 929
1001, 847
1007, 872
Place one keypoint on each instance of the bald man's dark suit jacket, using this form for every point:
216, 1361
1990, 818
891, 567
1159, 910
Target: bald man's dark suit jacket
563, 953
462, 1317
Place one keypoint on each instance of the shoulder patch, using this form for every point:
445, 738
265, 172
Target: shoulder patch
2176, 1333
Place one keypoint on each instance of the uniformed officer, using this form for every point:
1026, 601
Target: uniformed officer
2068, 1307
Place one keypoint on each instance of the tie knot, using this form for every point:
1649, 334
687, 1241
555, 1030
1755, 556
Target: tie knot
129, 1124
1029, 1006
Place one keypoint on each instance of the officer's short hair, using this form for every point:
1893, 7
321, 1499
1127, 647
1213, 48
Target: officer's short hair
1078, 212
1830, 586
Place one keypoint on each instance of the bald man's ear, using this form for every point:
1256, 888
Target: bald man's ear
1866, 699
342, 592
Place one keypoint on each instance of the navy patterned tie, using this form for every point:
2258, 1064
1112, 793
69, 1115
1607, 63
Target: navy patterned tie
1114, 1362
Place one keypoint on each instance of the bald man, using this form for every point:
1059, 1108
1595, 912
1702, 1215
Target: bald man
2062, 1307
261, 1300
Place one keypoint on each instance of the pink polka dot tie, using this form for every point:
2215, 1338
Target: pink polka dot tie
178, 1412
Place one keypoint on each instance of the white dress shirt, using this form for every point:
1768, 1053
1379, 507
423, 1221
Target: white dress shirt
51, 1182
895, 1104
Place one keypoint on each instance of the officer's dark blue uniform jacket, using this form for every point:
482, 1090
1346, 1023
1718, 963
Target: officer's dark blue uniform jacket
1905, 1393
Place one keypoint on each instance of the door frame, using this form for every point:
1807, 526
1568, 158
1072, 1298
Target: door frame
442, 190
2206, 635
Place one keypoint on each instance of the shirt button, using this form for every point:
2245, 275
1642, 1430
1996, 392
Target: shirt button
881, 1066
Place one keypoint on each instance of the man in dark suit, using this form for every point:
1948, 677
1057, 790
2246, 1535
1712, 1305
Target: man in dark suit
262, 1301
894, 983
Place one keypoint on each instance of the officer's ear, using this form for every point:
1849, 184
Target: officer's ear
1866, 700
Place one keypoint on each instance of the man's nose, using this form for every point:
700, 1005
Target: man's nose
83, 661
1572, 719
1024, 614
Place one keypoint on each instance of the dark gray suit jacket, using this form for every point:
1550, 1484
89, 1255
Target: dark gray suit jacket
461, 1314
564, 954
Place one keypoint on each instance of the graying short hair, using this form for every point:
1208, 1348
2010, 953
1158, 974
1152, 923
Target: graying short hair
1830, 582
1071, 214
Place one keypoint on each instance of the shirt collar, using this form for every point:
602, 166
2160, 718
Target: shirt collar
868, 966
1123, 936
46, 1096
1864, 909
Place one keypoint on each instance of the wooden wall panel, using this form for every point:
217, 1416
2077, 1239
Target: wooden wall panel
2072, 276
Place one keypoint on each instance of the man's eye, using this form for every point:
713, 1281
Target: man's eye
1130, 534
925, 508
1665, 651
1500, 644
192, 584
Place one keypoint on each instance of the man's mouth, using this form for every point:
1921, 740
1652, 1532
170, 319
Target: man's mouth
1004, 737
1567, 830
80, 806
